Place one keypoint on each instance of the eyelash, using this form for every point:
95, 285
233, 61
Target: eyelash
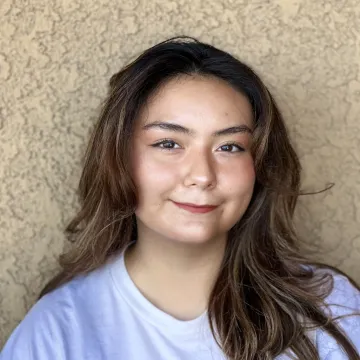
164, 141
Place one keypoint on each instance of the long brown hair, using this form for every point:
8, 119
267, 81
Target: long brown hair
266, 298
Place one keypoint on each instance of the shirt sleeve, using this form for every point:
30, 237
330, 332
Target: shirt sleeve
343, 300
37, 337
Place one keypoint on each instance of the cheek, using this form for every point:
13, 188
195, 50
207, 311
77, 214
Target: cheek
153, 177
248, 170
242, 180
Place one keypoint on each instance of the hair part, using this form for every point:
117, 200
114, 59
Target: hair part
267, 296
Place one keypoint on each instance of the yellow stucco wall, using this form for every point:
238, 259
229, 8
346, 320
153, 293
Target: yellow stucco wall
57, 56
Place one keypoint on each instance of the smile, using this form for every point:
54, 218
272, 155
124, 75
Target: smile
197, 209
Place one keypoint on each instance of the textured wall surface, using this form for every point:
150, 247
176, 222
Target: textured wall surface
56, 57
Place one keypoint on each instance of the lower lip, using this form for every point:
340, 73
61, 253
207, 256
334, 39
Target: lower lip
195, 209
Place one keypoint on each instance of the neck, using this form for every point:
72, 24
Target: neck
176, 277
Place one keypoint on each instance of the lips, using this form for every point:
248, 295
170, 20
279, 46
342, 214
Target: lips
196, 209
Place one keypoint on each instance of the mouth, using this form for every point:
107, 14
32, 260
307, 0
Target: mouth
196, 209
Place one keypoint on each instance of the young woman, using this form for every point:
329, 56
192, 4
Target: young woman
184, 245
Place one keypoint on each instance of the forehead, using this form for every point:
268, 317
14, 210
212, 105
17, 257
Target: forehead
198, 100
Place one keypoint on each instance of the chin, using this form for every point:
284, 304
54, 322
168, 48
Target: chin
194, 238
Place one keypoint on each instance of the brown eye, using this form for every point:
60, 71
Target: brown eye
231, 148
167, 144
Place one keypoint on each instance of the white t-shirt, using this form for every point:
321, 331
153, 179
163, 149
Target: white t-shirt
104, 316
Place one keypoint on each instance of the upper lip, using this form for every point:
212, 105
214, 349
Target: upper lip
195, 205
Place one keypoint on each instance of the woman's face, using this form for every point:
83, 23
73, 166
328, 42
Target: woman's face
191, 148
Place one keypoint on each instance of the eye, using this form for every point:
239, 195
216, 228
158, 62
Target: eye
231, 148
166, 144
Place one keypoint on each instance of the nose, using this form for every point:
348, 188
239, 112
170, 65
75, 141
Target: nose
200, 170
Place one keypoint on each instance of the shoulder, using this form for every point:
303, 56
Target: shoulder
54, 325
344, 299
343, 305
39, 335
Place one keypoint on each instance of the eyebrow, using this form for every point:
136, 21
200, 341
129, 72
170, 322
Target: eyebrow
183, 130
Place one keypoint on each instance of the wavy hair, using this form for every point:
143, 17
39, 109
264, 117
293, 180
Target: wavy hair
267, 296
